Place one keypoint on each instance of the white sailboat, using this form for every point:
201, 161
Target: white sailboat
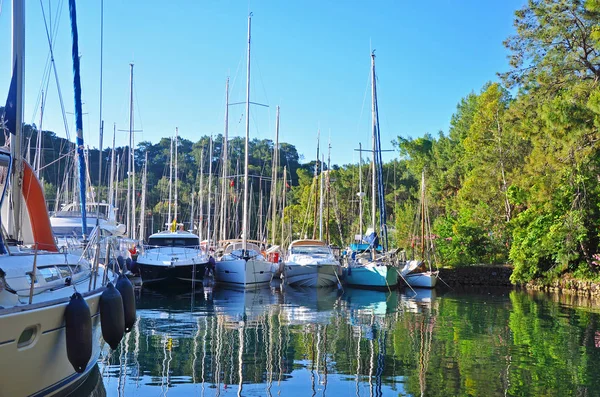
243, 262
371, 267
36, 281
419, 272
174, 255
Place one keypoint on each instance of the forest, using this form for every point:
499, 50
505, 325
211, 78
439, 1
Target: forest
515, 179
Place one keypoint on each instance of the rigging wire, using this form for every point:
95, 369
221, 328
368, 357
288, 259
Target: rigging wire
62, 105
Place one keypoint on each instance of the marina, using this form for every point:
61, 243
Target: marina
208, 252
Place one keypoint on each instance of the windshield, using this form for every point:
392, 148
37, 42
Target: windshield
70, 231
174, 242
310, 250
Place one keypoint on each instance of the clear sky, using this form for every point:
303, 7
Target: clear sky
311, 57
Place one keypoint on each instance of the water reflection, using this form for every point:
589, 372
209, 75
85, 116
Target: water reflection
296, 342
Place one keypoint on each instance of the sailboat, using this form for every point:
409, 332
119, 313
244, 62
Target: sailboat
242, 262
368, 266
36, 281
419, 272
311, 262
173, 255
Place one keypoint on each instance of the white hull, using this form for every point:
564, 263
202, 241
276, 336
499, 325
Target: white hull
251, 273
422, 280
313, 275
42, 367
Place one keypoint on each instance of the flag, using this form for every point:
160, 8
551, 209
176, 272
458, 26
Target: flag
287, 185
10, 110
231, 184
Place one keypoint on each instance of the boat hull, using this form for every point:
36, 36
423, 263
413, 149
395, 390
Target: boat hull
248, 274
165, 266
422, 280
165, 274
371, 276
42, 367
313, 275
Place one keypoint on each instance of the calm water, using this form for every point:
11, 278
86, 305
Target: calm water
317, 342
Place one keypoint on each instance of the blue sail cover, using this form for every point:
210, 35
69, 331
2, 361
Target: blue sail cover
10, 110
78, 113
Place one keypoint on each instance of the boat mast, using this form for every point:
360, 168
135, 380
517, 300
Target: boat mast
191, 229
130, 199
170, 182
283, 205
423, 214
321, 200
176, 178
38, 145
246, 149
360, 192
18, 63
328, 188
201, 194
274, 179
379, 165
314, 234
208, 220
225, 167
142, 234
78, 116
373, 168
111, 188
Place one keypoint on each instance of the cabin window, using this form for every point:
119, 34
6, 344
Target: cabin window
174, 242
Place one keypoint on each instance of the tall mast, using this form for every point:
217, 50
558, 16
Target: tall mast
423, 215
373, 168
225, 167
274, 179
201, 195
176, 178
170, 181
208, 220
101, 142
142, 234
283, 205
314, 234
360, 192
78, 116
191, 229
116, 199
38, 144
111, 188
328, 187
379, 164
18, 78
246, 148
321, 201
130, 199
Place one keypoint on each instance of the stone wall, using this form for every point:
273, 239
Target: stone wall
477, 275
568, 286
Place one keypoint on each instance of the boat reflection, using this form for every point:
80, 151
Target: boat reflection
303, 305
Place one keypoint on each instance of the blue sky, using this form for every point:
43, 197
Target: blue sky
311, 57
